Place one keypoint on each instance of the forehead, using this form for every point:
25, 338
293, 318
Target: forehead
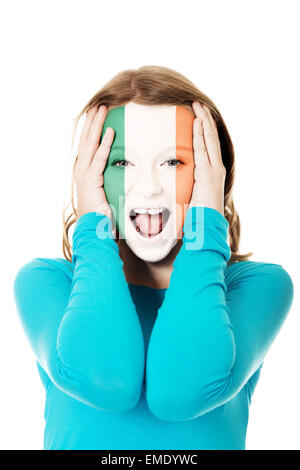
155, 109
153, 127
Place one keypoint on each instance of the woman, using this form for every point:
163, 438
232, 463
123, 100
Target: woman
152, 332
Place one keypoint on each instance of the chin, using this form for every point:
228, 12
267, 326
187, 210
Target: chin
152, 254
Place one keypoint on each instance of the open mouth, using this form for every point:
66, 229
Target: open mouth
149, 225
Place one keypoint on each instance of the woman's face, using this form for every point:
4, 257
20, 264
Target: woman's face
141, 174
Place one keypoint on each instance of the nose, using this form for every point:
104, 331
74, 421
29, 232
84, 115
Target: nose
148, 185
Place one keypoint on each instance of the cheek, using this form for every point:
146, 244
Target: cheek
113, 185
184, 189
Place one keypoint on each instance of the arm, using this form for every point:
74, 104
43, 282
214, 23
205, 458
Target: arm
207, 342
85, 334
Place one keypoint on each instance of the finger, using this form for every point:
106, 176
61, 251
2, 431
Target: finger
201, 155
212, 144
97, 124
198, 109
211, 136
102, 154
210, 118
89, 146
201, 110
90, 114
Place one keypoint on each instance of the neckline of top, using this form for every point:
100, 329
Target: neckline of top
146, 287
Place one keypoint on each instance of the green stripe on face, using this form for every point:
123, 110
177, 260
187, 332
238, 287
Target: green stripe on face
113, 175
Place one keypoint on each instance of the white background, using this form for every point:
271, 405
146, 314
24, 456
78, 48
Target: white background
55, 56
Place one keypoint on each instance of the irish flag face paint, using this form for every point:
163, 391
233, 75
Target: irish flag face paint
150, 168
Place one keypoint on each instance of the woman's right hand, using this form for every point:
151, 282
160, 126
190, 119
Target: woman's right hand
91, 162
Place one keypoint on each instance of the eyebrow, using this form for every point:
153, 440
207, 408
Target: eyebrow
167, 149
183, 147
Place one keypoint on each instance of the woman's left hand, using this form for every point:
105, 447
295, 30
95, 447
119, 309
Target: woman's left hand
209, 172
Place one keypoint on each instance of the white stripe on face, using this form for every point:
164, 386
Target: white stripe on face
150, 141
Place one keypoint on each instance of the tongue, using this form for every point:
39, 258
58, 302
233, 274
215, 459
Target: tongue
149, 224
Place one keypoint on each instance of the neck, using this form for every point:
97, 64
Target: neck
151, 274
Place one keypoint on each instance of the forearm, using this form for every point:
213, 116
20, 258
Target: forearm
192, 348
100, 341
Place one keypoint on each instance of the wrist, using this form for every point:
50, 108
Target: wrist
216, 205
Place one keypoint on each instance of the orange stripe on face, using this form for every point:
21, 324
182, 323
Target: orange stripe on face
185, 171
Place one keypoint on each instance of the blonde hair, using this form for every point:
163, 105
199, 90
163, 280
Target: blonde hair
156, 85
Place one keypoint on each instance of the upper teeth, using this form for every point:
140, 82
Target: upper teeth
149, 211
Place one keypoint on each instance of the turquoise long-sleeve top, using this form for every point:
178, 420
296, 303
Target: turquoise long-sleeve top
126, 366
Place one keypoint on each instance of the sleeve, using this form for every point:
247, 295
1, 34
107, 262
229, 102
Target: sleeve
209, 339
85, 331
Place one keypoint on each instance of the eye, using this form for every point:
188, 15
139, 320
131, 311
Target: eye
174, 160
124, 163
115, 163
